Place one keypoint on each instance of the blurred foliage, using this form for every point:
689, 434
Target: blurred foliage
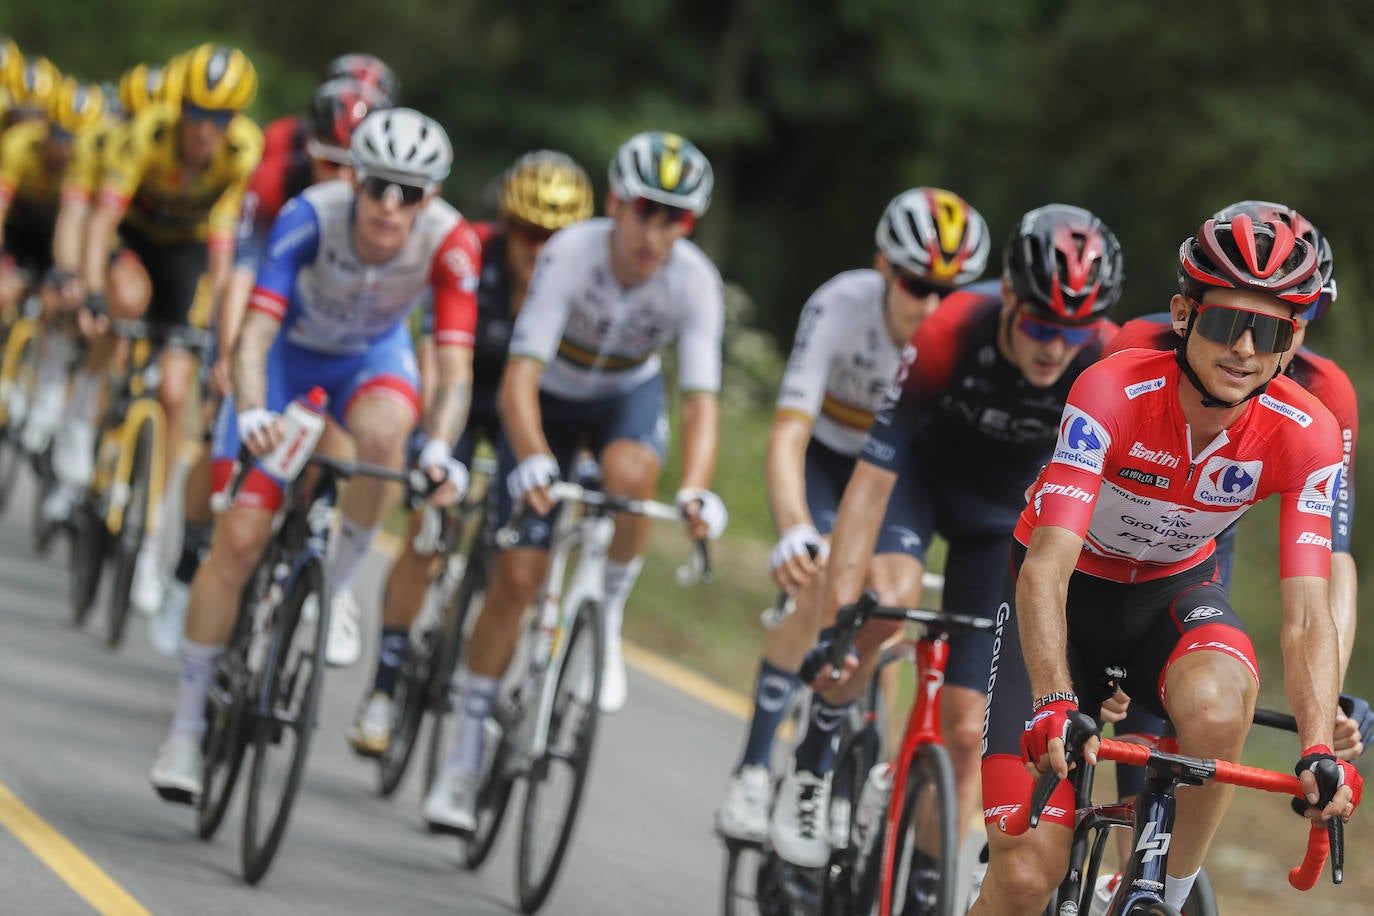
1152, 114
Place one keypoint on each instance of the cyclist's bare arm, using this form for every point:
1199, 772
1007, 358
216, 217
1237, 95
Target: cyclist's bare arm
448, 412
520, 415
1343, 593
220, 270
424, 355
1042, 589
1310, 660
250, 359
785, 477
100, 236
69, 232
700, 444
231, 311
857, 523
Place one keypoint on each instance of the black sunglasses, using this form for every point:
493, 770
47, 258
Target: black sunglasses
220, 117
376, 188
647, 209
1225, 325
919, 287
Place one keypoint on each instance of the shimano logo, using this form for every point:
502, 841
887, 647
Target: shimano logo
1286, 410
1316, 540
1167, 459
1203, 613
1069, 490
1139, 388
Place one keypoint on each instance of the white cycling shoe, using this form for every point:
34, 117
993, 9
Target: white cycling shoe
344, 644
370, 733
176, 771
799, 829
164, 630
147, 588
743, 815
451, 805
73, 453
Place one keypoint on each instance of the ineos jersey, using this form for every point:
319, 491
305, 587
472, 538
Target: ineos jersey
330, 301
961, 409
842, 361
1319, 375
1124, 477
491, 339
599, 339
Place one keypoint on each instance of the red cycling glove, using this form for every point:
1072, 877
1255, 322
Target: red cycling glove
1052, 721
1318, 758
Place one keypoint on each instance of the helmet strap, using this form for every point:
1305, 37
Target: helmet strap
1209, 399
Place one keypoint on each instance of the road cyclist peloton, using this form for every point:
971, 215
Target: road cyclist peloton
606, 296
346, 263
1114, 558
159, 245
139, 87
300, 151
847, 350
971, 418
33, 179
542, 192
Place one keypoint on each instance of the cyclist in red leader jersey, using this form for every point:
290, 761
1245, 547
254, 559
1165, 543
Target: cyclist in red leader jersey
1113, 557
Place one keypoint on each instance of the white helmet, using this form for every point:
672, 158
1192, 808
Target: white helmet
401, 143
936, 235
662, 167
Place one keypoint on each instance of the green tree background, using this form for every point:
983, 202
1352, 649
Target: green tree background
1152, 114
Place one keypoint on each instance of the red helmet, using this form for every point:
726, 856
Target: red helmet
365, 68
1064, 264
338, 107
1268, 211
1242, 253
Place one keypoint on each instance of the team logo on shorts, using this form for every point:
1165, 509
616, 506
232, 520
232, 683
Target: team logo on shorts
1083, 443
1227, 482
1319, 493
1203, 613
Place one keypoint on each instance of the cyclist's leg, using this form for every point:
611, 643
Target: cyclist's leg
1024, 870
1202, 666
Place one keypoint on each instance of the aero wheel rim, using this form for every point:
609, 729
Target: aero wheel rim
917, 885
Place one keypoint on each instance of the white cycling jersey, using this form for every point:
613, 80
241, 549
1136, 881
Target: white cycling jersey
842, 361
598, 339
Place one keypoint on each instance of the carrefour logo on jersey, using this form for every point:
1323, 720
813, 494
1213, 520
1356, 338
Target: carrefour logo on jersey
1083, 443
1319, 493
1227, 482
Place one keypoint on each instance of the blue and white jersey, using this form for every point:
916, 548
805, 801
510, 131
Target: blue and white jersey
331, 301
599, 339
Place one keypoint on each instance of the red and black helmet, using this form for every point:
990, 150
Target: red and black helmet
1267, 211
1244, 253
366, 68
338, 107
1064, 264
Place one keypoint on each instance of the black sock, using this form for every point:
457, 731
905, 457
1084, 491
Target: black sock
195, 540
391, 652
816, 752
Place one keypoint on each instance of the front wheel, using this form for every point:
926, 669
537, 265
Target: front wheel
90, 541
1202, 900
556, 779
1152, 909
16, 387
284, 718
129, 541
918, 860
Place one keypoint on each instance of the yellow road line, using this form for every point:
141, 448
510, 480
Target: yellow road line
66, 861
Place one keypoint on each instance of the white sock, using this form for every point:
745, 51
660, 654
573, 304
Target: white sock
152, 545
1176, 890
349, 549
197, 667
85, 397
620, 581
52, 362
477, 696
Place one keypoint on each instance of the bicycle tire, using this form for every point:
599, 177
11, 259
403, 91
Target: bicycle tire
44, 530
296, 679
411, 691
929, 795
129, 541
11, 452
573, 678
227, 708
748, 888
857, 754
1202, 899
88, 547
1152, 909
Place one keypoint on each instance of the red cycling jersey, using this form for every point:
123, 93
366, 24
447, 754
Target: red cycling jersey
1121, 475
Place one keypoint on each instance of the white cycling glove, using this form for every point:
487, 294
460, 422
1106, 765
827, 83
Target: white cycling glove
712, 510
794, 543
534, 472
254, 419
438, 453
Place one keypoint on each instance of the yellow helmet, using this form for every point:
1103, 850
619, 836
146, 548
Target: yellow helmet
75, 106
546, 189
35, 84
11, 63
173, 78
139, 87
219, 78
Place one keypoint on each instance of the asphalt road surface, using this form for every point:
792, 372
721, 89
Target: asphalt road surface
80, 828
